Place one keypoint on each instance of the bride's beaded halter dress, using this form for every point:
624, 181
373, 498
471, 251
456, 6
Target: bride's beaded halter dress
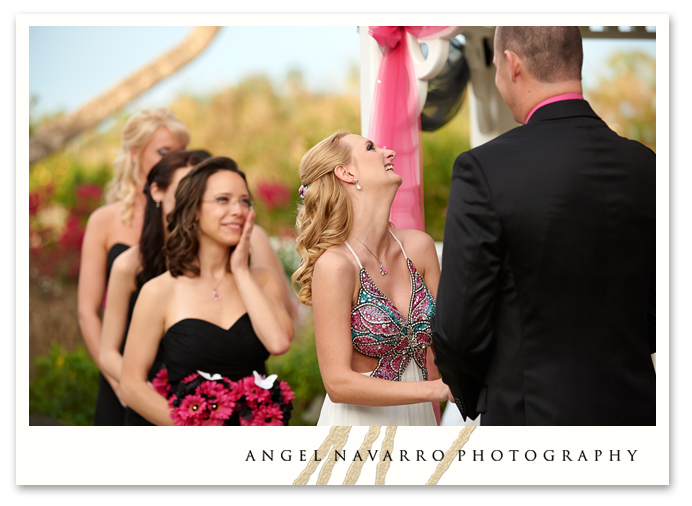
378, 329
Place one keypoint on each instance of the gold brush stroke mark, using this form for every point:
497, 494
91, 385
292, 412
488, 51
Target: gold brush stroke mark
334, 435
387, 446
354, 471
340, 438
459, 442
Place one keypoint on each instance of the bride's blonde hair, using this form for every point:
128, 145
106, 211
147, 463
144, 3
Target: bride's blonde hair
325, 216
137, 133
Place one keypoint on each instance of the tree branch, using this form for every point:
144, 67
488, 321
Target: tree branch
56, 134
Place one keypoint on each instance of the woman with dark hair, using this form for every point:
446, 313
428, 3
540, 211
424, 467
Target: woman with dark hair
211, 312
142, 262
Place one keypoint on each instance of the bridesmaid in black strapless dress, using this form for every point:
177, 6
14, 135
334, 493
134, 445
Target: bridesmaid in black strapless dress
191, 345
131, 416
109, 411
212, 312
140, 264
146, 137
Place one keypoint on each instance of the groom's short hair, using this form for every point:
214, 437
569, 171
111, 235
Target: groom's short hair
551, 53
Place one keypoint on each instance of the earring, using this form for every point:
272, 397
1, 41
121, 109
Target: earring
194, 226
358, 187
158, 204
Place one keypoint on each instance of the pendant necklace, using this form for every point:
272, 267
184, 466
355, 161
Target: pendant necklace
383, 271
215, 294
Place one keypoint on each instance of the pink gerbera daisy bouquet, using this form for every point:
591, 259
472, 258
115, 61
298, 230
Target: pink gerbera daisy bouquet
161, 384
264, 401
204, 399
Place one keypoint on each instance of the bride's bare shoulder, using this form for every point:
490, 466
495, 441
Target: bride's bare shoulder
415, 241
335, 263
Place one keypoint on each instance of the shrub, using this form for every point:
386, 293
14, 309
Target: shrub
285, 248
56, 230
299, 368
65, 386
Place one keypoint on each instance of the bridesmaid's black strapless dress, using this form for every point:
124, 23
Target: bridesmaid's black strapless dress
131, 416
109, 411
108, 408
192, 345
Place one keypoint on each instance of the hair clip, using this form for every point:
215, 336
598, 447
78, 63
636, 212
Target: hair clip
302, 190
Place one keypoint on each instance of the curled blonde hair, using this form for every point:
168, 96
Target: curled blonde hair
137, 133
325, 216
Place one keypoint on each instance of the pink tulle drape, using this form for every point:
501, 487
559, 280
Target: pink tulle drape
395, 120
395, 124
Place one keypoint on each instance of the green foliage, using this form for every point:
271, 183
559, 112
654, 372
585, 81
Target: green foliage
299, 368
286, 251
626, 98
267, 129
65, 386
66, 195
65, 174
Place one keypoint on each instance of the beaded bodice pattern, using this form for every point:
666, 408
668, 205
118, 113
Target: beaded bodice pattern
378, 329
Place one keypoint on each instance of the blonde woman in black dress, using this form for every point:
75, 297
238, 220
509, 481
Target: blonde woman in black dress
113, 228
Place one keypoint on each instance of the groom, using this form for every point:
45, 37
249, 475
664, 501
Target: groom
545, 309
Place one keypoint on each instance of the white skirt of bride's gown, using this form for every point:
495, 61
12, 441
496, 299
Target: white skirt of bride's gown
451, 416
410, 414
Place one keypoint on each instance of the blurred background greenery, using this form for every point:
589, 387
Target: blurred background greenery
266, 127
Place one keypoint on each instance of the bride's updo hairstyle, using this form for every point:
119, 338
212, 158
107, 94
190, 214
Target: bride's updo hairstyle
182, 244
325, 216
137, 133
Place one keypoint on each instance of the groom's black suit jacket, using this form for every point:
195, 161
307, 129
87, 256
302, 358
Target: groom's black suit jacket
545, 310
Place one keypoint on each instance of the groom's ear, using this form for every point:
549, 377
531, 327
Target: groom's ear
514, 64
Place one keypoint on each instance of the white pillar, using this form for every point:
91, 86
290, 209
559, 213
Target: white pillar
370, 58
490, 116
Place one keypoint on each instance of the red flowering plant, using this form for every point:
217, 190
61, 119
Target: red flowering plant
56, 229
203, 399
275, 202
274, 194
88, 197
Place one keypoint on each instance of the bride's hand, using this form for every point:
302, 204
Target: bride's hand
440, 391
240, 255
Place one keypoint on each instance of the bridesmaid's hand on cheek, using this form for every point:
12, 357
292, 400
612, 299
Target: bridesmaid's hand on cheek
240, 256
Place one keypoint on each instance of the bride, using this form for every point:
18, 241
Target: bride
372, 287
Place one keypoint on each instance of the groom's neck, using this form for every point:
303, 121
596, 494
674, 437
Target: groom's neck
534, 92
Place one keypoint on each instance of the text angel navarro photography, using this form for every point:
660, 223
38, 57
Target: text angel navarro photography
548, 455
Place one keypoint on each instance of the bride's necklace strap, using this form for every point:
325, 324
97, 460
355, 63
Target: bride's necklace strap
383, 271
